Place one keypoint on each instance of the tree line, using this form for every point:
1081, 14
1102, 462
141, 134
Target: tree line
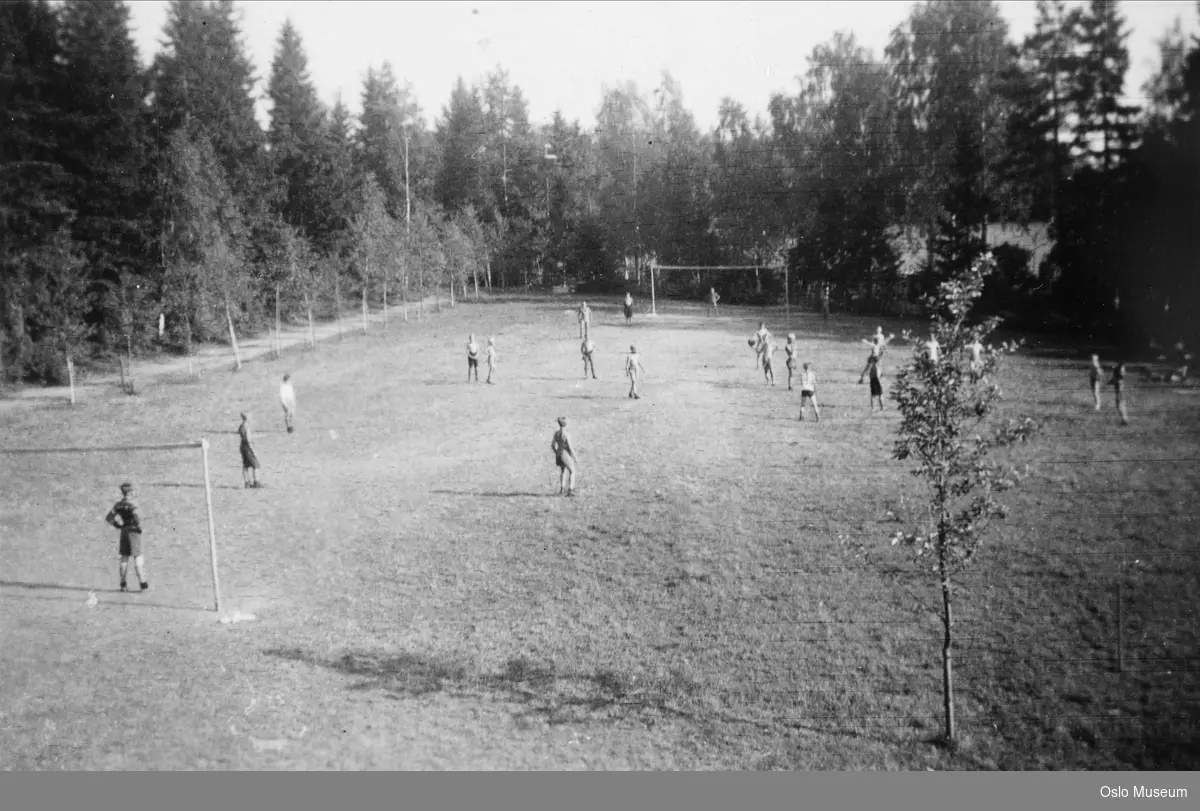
130, 193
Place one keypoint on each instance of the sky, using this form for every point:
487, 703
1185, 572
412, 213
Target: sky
563, 54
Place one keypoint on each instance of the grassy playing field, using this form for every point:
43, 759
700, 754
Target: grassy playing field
424, 600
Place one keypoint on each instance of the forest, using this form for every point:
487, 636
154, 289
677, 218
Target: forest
133, 196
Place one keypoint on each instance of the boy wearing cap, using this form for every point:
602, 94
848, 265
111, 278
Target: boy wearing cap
634, 369
564, 457
131, 536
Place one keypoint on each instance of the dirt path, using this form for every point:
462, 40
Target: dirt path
211, 357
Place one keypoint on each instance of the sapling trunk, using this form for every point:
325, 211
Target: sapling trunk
237, 355
948, 637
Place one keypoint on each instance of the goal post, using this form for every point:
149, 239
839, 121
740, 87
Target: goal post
62, 508
787, 304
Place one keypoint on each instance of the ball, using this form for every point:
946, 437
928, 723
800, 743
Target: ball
750, 342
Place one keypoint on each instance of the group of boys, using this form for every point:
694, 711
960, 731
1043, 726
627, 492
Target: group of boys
764, 347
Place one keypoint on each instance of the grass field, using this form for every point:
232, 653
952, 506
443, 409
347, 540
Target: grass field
425, 601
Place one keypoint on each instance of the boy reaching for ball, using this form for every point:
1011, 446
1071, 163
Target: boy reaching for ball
131, 536
564, 457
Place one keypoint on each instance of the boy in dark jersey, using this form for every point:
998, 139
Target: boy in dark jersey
249, 457
1118, 384
564, 457
131, 536
472, 358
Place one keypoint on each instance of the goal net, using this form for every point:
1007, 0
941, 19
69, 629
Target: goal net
53, 502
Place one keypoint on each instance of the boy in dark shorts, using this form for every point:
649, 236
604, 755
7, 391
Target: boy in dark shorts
249, 457
1118, 384
628, 310
564, 457
131, 536
472, 358
808, 392
876, 384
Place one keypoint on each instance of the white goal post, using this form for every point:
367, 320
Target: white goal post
787, 304
201, 445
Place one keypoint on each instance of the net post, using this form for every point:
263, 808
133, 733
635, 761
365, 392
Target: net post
787, 296
212, 528
653, 307
71, 377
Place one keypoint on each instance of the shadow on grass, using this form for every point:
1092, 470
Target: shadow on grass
493, 494
544, 692
193, 486
135, 597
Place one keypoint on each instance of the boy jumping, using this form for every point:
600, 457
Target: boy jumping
472, 358
491, 359
634, 369
564, 457
131, 536
808, 392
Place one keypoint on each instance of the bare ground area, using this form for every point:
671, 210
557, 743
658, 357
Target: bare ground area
424, 600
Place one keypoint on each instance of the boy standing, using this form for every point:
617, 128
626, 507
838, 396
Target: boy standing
790, 348
713, 298
1094, 375
131, 536
760, 339
588, 349
249, 457
564, 457
287, 396
628, 310
808, 391
491, 359
472, 358
1118, 384
634, 369
876, 384
768, 355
